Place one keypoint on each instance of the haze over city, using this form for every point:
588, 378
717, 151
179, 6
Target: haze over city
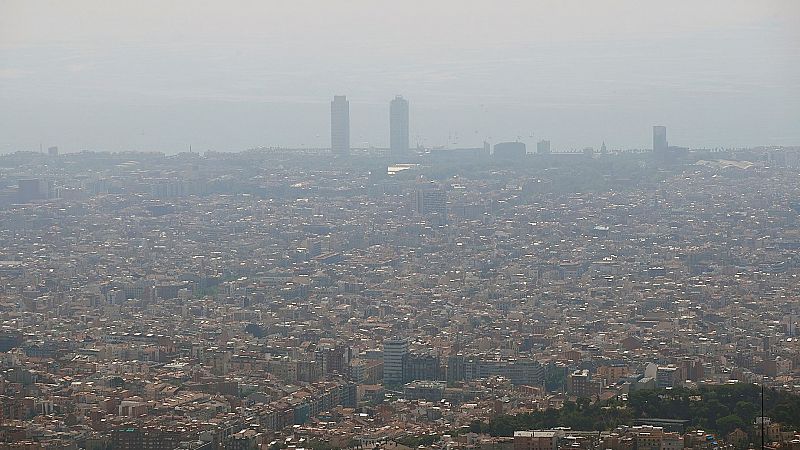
407, 225
113, 75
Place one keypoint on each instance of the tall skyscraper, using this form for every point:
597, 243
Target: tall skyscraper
340, 125
660, 145
543, 147
398, 126
395, 352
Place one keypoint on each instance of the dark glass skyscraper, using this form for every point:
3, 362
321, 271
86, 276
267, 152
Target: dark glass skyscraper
660, 145
398, 126
340, 125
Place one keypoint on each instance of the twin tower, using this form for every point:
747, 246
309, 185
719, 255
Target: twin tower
340, 126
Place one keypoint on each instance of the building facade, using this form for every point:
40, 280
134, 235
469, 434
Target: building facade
395, 353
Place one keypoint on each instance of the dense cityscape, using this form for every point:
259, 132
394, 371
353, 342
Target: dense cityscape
497, 297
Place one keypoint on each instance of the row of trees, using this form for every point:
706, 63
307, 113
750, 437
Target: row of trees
580, 415
719, 409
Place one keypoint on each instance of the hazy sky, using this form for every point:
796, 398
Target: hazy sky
230, 75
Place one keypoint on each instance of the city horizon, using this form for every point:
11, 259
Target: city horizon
118, 77
531, 140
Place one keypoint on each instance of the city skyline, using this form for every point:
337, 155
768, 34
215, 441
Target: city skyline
398, 144
118, 77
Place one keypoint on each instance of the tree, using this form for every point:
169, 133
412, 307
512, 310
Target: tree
729, 423
116, 382
255, 330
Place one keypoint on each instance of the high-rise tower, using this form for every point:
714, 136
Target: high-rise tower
543, 147
398, 126
340, 125
660, 145
395, 352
